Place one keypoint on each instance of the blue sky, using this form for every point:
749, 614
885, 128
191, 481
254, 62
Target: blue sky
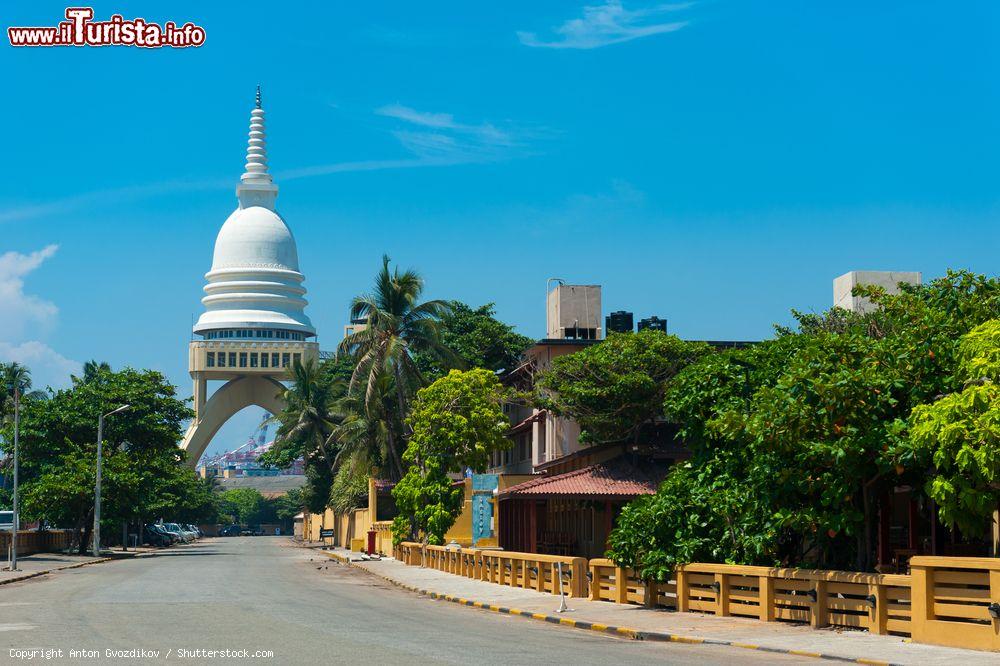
714, 163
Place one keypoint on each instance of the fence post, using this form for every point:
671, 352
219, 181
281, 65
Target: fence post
621, 585
818, 613
879, 614
921, 600
682, 589
722, 596
765, 598
578, 569
595, 582
650, 593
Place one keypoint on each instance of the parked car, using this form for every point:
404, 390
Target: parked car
197, 531
161, 534
182, 535
6, 520
231, 530
156, 536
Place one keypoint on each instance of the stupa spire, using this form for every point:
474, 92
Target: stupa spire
256, 187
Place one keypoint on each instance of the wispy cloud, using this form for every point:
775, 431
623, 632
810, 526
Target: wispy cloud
25, 314
610, 23
430, 139
28, 211
434, 138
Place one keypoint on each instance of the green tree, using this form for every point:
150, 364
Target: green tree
246, 506
957, 437
398, 326
91, 370
13, 376
810, 429
307, 419
616, 388
142, 463
477, 338
289, 505
458, 422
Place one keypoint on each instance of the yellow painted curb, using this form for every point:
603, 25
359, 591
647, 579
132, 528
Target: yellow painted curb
687, 639
622, 631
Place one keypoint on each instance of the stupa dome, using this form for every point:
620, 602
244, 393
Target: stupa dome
255, 280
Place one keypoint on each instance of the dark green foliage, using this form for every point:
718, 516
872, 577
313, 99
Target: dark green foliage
477, 338
615, 388
811, 428
458, 422
143, 474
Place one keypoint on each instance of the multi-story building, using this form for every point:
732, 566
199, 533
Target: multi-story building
577, 489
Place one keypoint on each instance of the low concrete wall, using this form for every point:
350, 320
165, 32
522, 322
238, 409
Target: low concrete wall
29, 542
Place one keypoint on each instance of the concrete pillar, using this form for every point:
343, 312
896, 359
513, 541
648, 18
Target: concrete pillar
200, 391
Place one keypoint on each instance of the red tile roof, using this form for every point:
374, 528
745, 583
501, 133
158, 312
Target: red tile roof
615, 478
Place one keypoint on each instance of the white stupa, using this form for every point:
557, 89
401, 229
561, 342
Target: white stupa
254, 326
255, 282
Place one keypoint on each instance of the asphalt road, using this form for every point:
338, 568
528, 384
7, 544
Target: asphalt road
264, 594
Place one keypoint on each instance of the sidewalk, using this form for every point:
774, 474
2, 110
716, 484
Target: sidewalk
39, 564
651, 624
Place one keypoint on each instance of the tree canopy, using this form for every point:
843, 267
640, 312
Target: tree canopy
143, 477
615, 388
808, 431
458, 422
477, 338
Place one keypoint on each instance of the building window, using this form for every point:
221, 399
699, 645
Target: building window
263, 360
222, 359
274, 360
253, 360
232, 359
243, 359
297, 357
211, 359
284, 359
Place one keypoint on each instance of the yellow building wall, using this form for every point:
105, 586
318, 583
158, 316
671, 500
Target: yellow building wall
461, 531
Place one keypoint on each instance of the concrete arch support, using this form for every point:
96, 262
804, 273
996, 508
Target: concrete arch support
234, 395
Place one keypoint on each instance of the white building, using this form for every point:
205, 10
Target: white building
254, 325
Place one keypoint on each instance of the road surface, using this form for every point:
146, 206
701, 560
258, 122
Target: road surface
264, 596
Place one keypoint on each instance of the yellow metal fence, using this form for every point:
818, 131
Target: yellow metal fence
879, 603
952, 601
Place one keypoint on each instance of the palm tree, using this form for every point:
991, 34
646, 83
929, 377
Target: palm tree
306, 421
398, 325
91, 370
14, 375
365, 435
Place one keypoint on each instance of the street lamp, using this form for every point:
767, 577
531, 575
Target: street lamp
97, 486
15, 522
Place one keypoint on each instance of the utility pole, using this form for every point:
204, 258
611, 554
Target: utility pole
97, 485
16, 523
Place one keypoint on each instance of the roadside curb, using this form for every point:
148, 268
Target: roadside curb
77, 565
36, 574
626, 632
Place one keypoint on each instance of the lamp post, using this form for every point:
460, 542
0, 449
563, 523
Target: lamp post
97, 486
15, 522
